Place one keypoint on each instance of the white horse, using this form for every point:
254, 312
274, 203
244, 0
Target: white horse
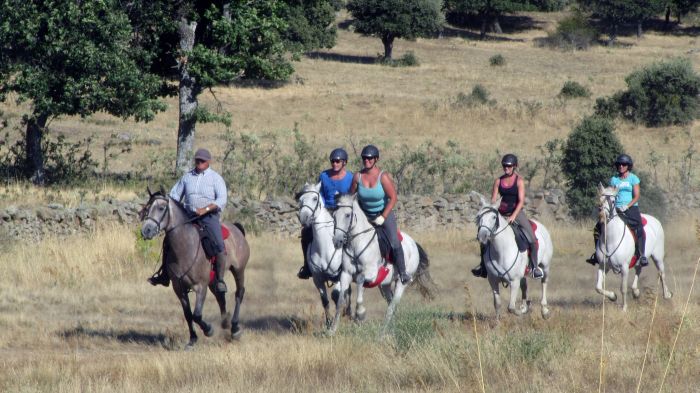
323, 259
365, 264
615, 247
505, 262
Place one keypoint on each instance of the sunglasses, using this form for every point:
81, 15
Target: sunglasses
507, 166
368, 158
198, 161
618, 165
336, 161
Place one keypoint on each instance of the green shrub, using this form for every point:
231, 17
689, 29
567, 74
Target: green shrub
573, 33
661, 94
497, 60
652, 200
587, 160
409, 59
606, 107
478, 96
572, 89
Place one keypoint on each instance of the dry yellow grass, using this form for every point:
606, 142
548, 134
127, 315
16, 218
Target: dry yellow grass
77, 315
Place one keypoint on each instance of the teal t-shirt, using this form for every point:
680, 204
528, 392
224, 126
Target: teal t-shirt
625, 187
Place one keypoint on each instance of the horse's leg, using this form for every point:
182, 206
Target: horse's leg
345, 279
387, 292
187, 310
221, 301
201, 294
239, 277
360, 310
659, 262
323, 293
514, 287
495, 290
623, 287
525, 307
347, 311
391, 309
543, 302
599, 286
635, 281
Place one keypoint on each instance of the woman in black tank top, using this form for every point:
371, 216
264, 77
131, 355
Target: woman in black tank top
511, 188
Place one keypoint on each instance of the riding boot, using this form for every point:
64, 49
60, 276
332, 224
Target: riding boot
480, 271
537, 272
220, 270
641, 247
596, 234
401, 265
160, 278
306, 239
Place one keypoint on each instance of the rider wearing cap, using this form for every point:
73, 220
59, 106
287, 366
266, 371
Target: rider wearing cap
377, 197
334, 181
204, 194
626, 203
511, 187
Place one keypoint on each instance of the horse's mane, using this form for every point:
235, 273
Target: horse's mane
344, 199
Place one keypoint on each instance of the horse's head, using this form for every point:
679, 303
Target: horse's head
343, 216
155, 215
487, 220
310, 203
606, 202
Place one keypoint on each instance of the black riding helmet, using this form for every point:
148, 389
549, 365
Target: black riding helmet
624, 159
370, 151
509, 159
339, 154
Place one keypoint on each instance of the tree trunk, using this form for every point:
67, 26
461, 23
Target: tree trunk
496, 25
613, 34
388, 41
639, 29
668, 15
484, 23
189, 89
34, 164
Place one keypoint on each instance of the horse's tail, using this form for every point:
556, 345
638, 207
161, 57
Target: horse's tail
426, 285
240, 227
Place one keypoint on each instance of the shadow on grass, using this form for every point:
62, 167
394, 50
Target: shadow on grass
129, 336
275, 324
341, 57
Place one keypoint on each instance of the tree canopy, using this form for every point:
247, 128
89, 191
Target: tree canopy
391, 19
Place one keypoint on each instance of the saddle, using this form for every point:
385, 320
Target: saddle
209, 246
384, 244
521, 239
633, 261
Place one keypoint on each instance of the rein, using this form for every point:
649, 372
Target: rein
320, 224
350, 237
495, 232
608, 218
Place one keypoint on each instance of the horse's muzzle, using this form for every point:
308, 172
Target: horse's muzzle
148, 232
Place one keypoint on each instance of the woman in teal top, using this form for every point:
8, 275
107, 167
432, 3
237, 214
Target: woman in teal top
377, 197
627, 184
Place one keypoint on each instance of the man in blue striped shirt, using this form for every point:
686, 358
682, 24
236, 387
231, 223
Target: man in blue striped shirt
203, 193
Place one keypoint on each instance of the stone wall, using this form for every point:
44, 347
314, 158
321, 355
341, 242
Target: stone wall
279, 215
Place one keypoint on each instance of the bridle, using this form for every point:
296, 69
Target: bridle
315, 208
348, 237
493, 232
609, 211
166, 212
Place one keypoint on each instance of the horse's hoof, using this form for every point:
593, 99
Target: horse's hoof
236, 332
545, 313
190, 345
668, 295
360, 317
210, 331
636, 293
613, 298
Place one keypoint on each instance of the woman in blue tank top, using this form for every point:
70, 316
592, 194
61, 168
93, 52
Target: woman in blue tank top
511, 189
377, 197
334, 181
626, 203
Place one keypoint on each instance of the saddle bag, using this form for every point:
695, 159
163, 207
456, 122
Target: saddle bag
208, 242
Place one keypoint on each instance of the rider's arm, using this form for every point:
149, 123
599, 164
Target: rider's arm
635, 195
494, 192
219, 193
177, 191
390, 190
355, 179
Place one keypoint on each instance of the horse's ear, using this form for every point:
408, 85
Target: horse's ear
600, 188
162, 190
498, 202
317, 187
148, 189
483, 201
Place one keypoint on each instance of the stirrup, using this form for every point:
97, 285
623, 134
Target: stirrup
159, 279
479, 271
405, 279
221, 286
304, 273
643, 261
592, 259
537, 273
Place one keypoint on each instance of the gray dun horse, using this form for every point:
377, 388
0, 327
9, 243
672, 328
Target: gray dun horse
187, 265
